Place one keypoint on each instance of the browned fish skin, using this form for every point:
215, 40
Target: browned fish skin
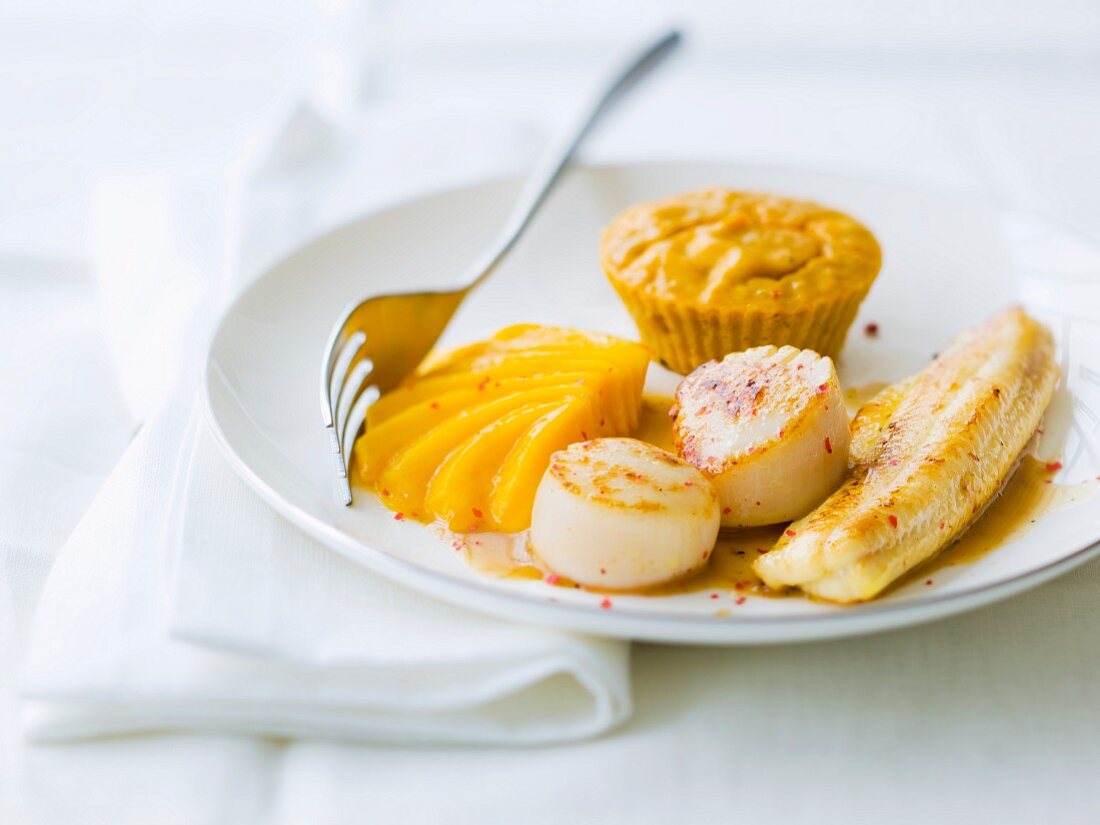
928, 456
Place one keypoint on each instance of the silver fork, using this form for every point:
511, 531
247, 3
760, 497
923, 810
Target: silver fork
380, 340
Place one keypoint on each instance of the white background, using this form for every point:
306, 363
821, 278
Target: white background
987, 717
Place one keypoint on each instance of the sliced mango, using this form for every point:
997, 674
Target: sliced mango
526, 338
408, 471
490, 387
514, 486
468, 437
374, 449
456, 492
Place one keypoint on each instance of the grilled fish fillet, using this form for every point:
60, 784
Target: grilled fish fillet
928, 456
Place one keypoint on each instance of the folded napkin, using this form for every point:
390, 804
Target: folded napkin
182, 602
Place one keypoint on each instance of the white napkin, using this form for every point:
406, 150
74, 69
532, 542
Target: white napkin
181, 601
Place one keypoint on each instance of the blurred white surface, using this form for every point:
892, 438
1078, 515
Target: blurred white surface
182, 602
995, 97
1001, 92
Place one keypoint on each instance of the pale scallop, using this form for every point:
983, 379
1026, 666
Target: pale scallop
620, 514
769, 428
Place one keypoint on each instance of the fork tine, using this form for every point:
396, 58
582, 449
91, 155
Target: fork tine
341, 350
346, 392
342, 333
343, 488
356, 420
355, 382
346, 348
328, 368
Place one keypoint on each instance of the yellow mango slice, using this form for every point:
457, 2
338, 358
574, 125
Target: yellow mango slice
463, 483
473, 429
374, 449
514, 491
619, 371
406, 475
490, 386
517, 338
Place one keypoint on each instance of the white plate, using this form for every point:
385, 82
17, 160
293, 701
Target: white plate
949, 262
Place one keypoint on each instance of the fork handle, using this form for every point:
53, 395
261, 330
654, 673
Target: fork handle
554, 159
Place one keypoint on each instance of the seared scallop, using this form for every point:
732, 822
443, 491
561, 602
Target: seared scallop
768, 427
621, 514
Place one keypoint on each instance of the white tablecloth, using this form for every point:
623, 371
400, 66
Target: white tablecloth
991, 716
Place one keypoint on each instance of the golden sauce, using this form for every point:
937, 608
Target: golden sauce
856, 397
655, 424
500, 555
730, 567
503, 556
1028, 494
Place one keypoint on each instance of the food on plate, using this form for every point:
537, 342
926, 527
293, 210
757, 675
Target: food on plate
717, 271
947, 440
769, 428
872, 417
538, 438
618, 514
467, 438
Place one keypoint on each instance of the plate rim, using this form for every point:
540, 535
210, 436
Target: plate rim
624, 623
